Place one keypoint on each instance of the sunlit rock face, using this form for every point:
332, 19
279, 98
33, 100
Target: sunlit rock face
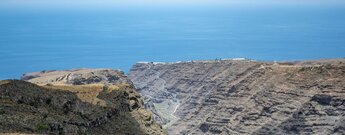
244, 97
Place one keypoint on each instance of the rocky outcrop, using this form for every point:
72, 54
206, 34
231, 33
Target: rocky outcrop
108, 105
245, 97
76, 77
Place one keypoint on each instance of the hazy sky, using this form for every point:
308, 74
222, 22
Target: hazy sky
162, 3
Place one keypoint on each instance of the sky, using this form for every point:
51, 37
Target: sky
160, 3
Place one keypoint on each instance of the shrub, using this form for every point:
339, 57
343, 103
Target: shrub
42, 127
302, 69
2, 111
34, 104
48, 100
66, 107
105, 88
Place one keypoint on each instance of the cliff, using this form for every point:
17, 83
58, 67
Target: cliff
82, 101
245, 97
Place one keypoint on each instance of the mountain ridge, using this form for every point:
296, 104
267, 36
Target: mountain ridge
245, 96
93, 101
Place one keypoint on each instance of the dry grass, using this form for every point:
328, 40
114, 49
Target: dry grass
4, 82
88, 93
18, 134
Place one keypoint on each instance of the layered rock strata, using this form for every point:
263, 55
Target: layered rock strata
245, 97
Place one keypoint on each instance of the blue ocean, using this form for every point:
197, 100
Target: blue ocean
47, 40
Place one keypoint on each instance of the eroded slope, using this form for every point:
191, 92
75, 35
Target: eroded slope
245, 97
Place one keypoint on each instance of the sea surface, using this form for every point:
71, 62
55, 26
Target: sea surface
46, 40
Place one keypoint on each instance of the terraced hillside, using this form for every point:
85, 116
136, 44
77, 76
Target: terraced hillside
90, 101
245, 97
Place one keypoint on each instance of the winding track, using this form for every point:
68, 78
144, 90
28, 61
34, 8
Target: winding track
174, 100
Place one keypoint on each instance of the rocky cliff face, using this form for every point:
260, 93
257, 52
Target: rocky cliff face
83, 101
245, 97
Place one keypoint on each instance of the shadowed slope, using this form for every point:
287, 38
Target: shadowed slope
90, 108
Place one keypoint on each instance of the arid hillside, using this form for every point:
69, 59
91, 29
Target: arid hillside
83, 101
245, 97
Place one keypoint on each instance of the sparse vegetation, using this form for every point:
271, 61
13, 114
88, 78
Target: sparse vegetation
302, 69
88, 93
3, 82
71, 109
2, 111
105, 88
45, 116
86, 88
48, 100
34, 104
42, 127
66, 108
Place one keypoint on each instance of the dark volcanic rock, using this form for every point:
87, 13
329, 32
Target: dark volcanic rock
204, 127
322, 99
